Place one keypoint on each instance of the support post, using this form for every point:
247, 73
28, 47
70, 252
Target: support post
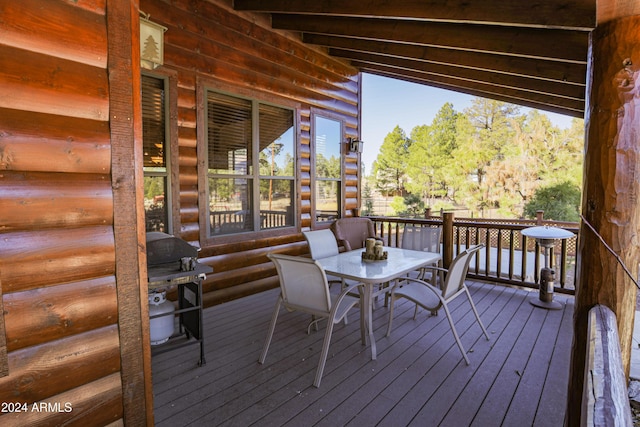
447, 239
610, 192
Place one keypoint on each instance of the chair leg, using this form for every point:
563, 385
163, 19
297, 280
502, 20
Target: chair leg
272, 328
314, 322
392, 304
386, 294
344, 286
455, 333
324, 353
363, 326
473, 307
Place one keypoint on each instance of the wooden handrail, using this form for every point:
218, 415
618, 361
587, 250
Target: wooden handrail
605, 400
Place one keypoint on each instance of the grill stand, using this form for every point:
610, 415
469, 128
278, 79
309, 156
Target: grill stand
189, 310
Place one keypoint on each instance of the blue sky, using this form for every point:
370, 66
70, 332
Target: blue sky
389, 102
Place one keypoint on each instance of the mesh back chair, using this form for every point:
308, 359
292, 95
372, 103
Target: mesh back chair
421, 239
431, 298
352, 232
322, 243
304, 287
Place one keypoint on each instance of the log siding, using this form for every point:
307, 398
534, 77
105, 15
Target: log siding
208, 45
74, 326
57, 257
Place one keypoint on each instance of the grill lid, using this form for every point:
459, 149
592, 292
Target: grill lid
163, 248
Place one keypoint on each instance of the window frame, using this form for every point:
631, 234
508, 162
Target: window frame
204, 87
170, 146
314, 176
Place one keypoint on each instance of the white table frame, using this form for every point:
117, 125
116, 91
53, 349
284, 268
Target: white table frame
349, 265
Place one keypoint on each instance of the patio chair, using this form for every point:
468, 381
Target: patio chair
352, 232
322, 243
421, 239
431, 298
304, 287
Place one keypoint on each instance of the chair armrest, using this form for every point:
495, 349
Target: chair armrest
436, 291
349, 289
345, 244
343, 294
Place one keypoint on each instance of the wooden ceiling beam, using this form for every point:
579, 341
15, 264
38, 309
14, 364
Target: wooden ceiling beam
555, 89
608, 10
549, 44
569, 73
574, 108
576, 14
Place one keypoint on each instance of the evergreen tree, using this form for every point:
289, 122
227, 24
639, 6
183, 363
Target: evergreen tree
389, 168
430, 155
488, 157
481, 137
560, 202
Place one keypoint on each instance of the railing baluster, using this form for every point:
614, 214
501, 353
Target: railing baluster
487, 264
512, 253
536, 271
499, 254
525, 257
477, 241
563, 263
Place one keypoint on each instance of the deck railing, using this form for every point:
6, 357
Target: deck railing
229, 221
508, 256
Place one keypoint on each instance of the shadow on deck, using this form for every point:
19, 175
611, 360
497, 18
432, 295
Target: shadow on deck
519, 377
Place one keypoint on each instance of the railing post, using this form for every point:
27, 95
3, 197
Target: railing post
539, 217
447, 239
427, 213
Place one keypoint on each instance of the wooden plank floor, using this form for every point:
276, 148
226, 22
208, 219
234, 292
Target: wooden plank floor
519, 377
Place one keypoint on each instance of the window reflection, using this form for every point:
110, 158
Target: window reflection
230, 202
328, 169
237, 180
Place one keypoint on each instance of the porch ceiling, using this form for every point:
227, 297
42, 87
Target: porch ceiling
528, 53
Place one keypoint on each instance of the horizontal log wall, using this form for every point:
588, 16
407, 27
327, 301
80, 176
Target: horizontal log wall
57, 256
238, 53
61, 329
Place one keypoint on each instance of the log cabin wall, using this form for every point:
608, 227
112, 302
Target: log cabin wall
57, 252
65, 338
209, 44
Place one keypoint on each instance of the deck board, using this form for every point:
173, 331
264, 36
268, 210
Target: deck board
519, 376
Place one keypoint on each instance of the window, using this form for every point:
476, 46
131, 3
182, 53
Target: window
250, 164
328, 171
155, 146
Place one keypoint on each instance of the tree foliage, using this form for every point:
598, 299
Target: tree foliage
487, 157
429, 153
483, 134
560, 202
409, 205
390, 167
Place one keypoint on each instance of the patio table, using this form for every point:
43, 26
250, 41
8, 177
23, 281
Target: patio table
350, 265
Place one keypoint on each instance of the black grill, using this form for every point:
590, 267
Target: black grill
173, 262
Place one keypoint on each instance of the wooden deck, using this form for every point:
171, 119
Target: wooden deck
518, 378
